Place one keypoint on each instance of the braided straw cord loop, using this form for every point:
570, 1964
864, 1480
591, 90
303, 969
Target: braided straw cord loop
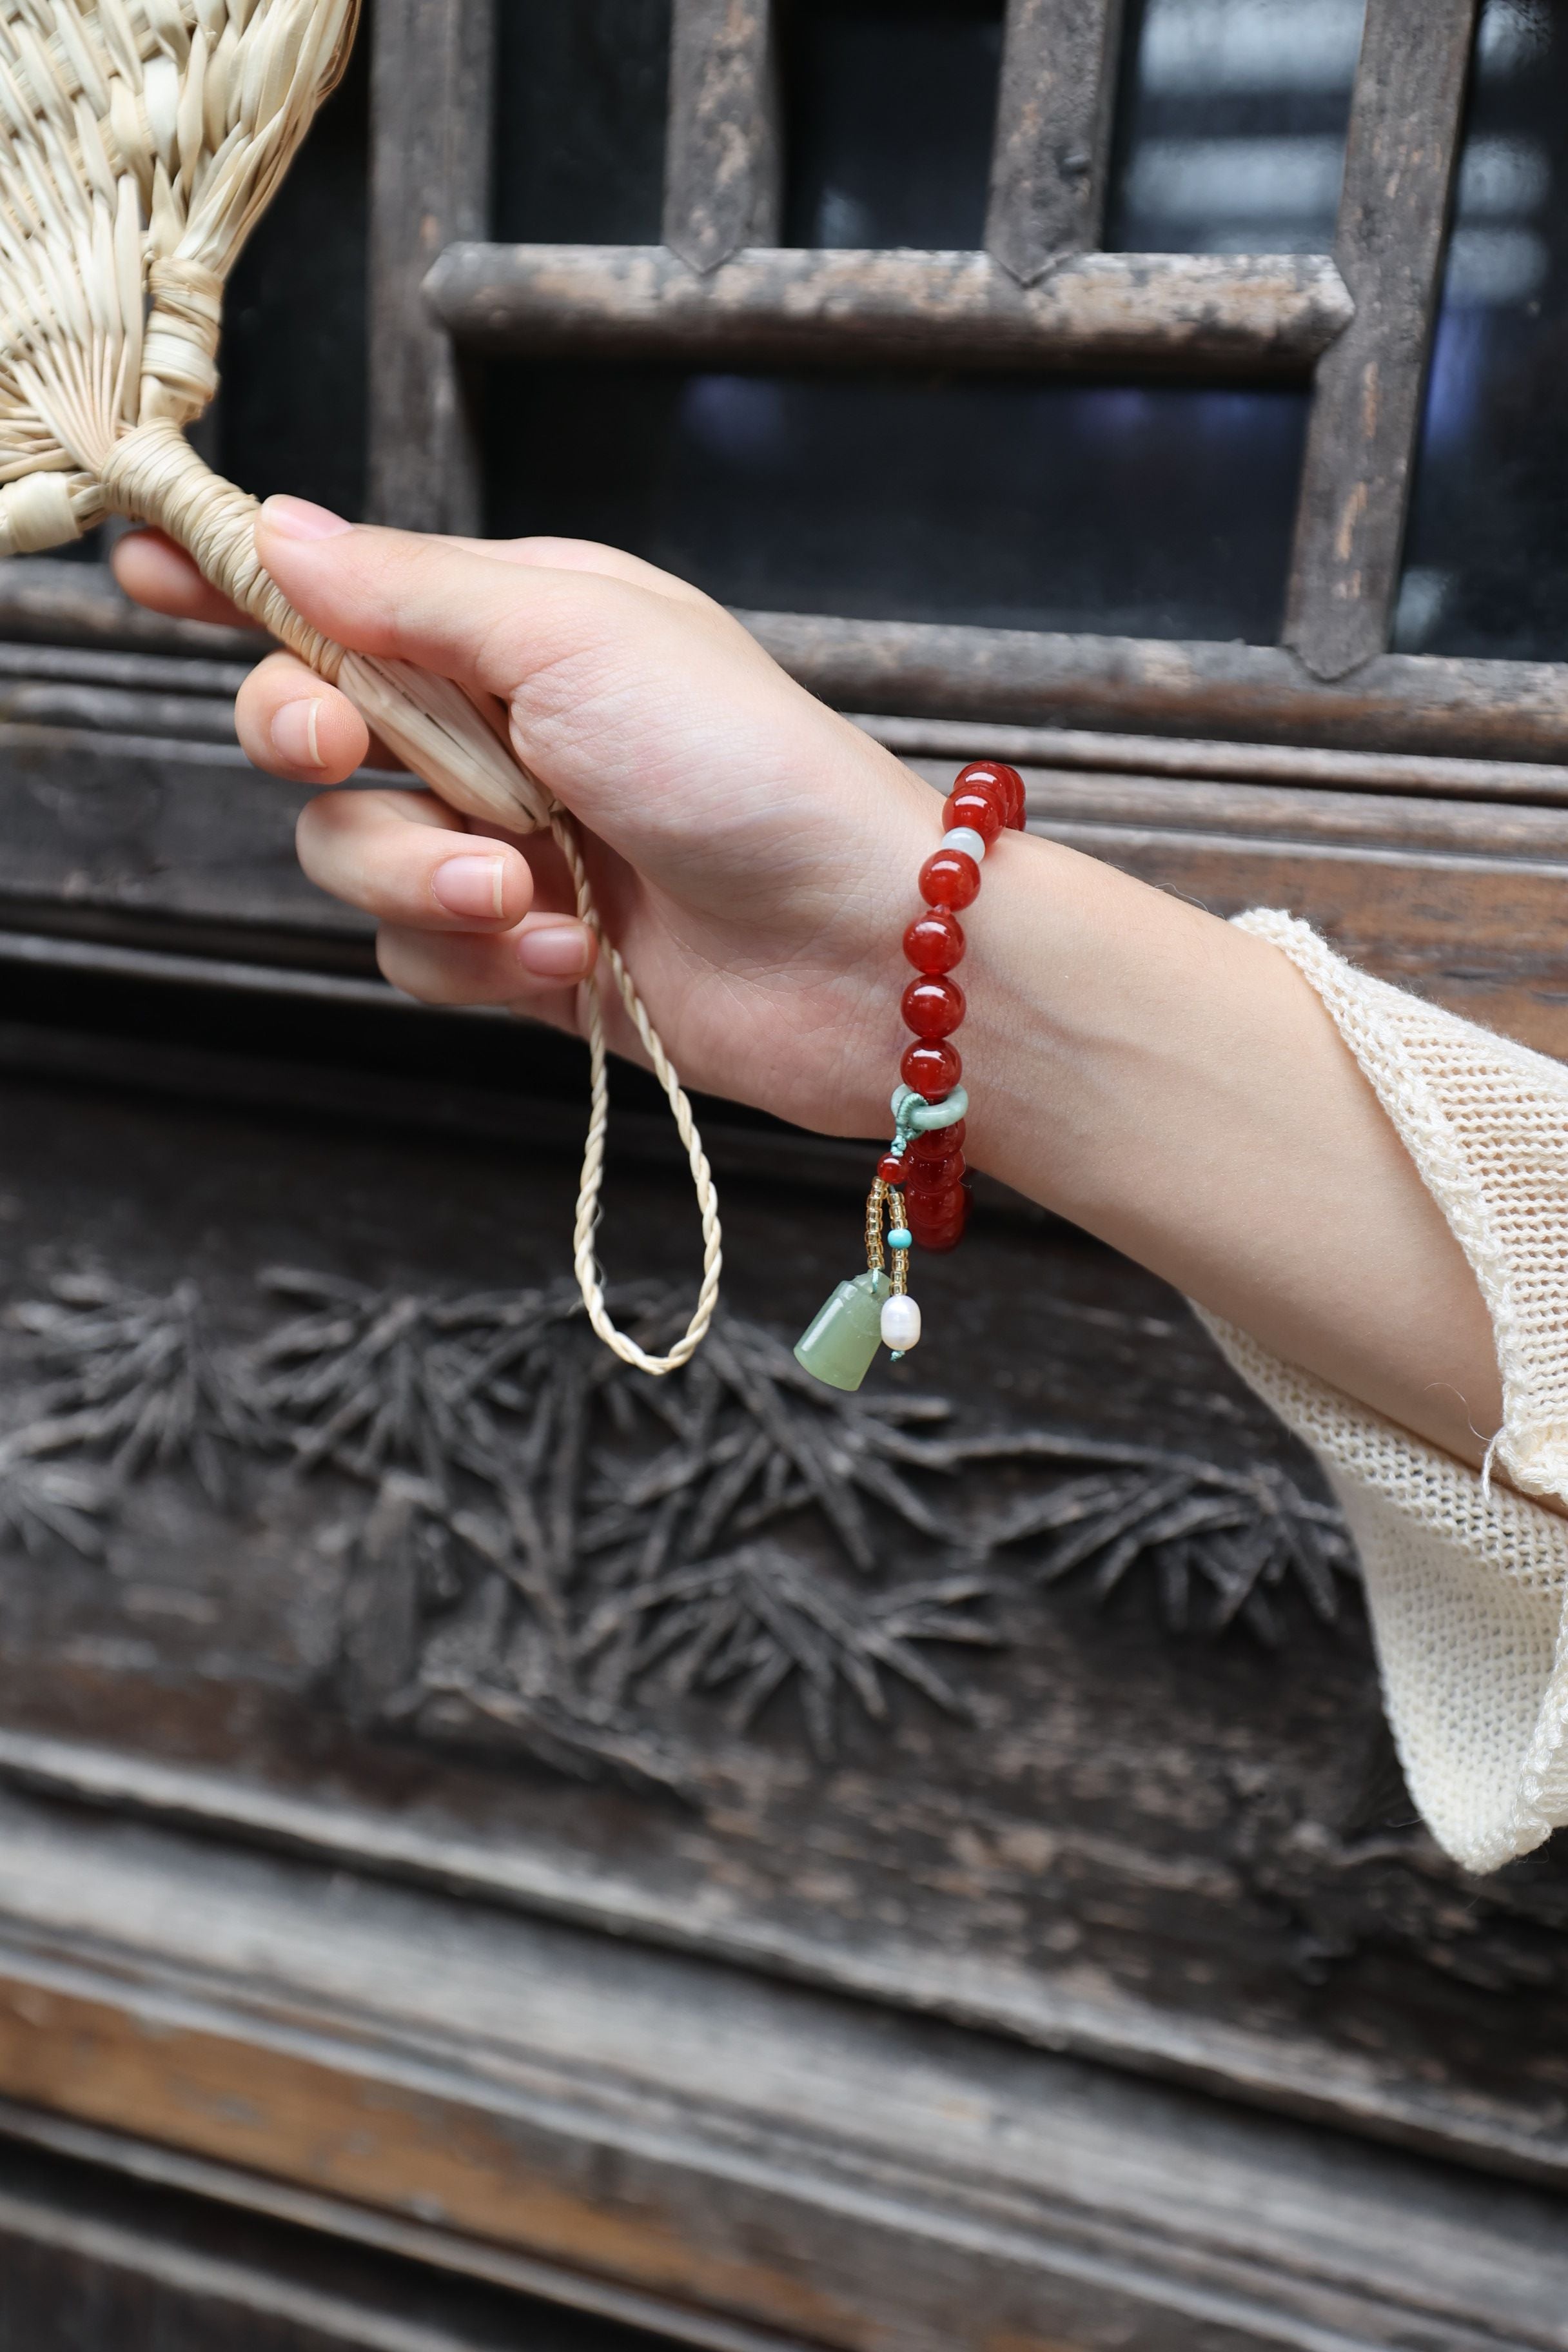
584, 1260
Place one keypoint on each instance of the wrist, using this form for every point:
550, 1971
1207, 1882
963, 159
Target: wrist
1071, 973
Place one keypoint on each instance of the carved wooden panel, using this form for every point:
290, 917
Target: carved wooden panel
1042, 1701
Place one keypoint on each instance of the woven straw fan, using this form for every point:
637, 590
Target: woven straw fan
140, 141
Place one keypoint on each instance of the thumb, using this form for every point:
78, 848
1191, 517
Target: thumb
488, 623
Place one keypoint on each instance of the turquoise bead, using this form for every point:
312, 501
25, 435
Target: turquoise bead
840, 1343
900, 1237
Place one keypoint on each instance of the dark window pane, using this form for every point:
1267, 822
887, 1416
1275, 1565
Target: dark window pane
581, 94
1163, 511
889, 110
291, 413
1486, 559
1231, 131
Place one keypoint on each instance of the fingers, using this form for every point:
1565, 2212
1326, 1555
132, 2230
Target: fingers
398, 855
536, 967
460, 921
293, 724
157, 573
289, 721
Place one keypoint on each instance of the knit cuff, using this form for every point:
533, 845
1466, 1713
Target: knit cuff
1466, 1580
1466, 1584
1486, 1122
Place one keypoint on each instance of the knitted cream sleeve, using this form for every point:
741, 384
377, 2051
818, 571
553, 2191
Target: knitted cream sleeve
1466, 1580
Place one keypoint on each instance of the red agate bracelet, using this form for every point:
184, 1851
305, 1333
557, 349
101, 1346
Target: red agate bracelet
921, 1197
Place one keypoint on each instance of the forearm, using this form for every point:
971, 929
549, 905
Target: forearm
1175, 1086
1167, 1082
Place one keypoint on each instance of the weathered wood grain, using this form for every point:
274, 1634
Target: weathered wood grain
145, 673
109, 2241
431, 101
1096, 751
51, 602
1400, 163
1419, 704
723, 177
1049, 162
1186, 312
1400, 702
739, 2155
163, 826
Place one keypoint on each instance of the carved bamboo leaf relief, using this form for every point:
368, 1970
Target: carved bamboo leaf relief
556, 1554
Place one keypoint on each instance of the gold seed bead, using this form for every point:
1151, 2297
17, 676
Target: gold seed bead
901, 1257
875, 1257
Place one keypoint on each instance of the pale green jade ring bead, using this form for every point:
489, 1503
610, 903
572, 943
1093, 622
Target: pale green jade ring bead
915, 1115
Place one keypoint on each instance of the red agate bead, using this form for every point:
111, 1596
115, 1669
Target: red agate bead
939, 1198
931, 1232
892, 1170
927, 1179
932, 1068
994, 774
981, 810
938, 1244
949, 878
939, 1225
939, 1237
934, 1008
936, 1142
934, 941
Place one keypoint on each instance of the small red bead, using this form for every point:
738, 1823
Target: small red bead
949, 878
932, 1008
892, 1170
938, 1237
934, 941
990, 781
932, 1203
938, 1244
932, 1213
932, 1066
936, 1229
982, 812
929, 1185
1007, 780
936, 1142
936, 1168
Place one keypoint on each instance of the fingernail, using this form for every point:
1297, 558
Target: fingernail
554, 951
293, 733
298, 518
472, 886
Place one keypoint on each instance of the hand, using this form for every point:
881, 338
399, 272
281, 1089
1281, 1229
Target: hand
752, 854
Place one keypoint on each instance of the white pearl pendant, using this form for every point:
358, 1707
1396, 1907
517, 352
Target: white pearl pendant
901, 1324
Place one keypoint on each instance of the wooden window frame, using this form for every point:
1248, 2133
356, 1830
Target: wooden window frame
1356, 323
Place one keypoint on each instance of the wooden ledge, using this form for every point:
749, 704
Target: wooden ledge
1213, 313
736, 2155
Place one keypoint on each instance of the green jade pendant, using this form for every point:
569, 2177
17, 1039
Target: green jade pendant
839, 1345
